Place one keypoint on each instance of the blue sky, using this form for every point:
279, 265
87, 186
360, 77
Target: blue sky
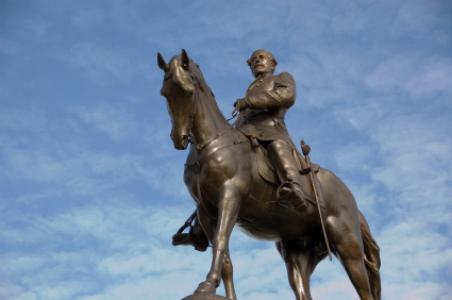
91, 187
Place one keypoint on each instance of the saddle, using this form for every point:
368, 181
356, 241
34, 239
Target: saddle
267, 172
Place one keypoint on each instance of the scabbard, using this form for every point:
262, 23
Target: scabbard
319, 201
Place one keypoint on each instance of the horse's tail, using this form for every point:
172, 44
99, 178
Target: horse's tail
371, 258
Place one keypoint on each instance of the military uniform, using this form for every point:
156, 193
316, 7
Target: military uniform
266, 102
267, 99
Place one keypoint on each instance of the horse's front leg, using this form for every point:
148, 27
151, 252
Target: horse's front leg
208, 224
228, 209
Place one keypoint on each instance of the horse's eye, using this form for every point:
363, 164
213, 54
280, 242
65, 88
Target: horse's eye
185, 66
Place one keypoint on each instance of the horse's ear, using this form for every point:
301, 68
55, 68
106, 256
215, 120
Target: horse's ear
161, 62
184, 59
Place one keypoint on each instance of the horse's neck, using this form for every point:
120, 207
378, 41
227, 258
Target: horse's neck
208, 121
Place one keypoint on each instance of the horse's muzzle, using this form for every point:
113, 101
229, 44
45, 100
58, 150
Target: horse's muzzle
180, 142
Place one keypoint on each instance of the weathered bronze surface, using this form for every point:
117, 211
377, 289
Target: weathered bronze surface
251, 174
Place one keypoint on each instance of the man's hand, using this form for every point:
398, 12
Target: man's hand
240, 104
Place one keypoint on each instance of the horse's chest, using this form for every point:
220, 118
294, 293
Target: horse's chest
205, 178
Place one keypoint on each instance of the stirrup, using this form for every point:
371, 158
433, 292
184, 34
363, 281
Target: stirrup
181, 239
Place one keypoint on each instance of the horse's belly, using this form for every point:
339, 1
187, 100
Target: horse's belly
278, 224
259, 233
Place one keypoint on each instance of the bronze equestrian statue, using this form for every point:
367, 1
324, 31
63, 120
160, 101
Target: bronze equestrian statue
246, 174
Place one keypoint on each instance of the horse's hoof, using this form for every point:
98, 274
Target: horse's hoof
206, 287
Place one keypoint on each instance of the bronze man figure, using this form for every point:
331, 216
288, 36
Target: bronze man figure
261, 117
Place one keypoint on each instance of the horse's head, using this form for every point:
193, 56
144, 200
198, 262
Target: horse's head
178, 89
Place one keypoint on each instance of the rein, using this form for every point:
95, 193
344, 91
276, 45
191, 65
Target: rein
234, 114
214, 143
200, 146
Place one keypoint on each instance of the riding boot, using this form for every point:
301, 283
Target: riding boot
290, 190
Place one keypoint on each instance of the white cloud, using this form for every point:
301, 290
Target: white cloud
419, 291
355, 157
421, 18
98, 62
108, 118
163, 286
435, 76
16, 292
21, 264
403, 73
416, 151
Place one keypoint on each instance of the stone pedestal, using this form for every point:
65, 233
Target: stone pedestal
204, 296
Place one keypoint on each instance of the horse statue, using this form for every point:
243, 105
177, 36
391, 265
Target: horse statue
223, 174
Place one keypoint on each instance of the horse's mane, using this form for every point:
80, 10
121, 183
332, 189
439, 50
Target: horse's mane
199, 78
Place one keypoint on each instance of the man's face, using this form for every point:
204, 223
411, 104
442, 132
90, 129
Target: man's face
261, 63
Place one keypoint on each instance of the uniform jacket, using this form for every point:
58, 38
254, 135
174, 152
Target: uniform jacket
268, 99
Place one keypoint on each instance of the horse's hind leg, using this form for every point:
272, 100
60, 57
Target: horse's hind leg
349, 246
227, 276
293, 272
299, 264
208, 226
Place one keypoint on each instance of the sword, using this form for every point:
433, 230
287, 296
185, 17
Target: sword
305, 148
